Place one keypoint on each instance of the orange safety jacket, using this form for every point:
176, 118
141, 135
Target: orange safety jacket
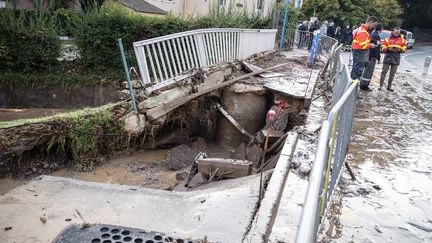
361, 40
394, 42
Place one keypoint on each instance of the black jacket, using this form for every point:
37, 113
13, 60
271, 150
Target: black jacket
375, 52
331, 31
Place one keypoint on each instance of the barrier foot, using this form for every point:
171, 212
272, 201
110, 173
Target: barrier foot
350, 171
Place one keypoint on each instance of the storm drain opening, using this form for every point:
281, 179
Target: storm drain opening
104, 233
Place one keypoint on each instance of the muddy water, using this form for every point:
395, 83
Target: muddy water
144, 168
15, 114
391, 153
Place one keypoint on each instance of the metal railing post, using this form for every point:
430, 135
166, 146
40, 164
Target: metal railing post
126, 70
284, 25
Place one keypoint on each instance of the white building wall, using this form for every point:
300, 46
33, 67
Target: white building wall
194, 8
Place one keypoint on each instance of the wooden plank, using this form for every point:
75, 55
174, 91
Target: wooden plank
164, 108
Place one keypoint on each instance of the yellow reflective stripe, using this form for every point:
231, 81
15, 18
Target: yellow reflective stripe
330, 156
364, 42
398, 46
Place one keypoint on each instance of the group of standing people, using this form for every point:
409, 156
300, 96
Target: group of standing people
366, 50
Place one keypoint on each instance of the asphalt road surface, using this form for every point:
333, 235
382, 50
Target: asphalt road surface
414, 59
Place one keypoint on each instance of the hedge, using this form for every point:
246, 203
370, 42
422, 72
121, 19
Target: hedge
30, 44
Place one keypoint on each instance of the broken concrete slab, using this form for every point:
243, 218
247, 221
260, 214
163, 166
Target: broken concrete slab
227, 168
291, 87
212, 79
181, 214
165, 96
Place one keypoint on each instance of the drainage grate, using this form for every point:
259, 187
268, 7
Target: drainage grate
104, 233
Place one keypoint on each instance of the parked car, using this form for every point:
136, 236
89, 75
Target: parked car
409, 37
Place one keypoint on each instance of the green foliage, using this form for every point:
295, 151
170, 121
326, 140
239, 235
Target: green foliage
417, 14
292, 18
29, 46
97, 36
353, 12
28, 42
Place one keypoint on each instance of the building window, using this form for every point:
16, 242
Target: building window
222, 2
260, 4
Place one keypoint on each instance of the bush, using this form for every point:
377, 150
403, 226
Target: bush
27, 43
98, 34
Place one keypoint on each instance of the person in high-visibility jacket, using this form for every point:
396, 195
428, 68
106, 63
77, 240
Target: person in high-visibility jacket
360, 47
393, 46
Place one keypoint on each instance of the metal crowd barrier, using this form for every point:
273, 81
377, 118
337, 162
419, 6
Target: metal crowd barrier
165, 58
332, 149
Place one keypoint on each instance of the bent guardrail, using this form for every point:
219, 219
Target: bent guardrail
165, 58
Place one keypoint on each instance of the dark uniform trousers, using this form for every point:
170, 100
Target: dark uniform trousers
368, 73
360, 58
393, 69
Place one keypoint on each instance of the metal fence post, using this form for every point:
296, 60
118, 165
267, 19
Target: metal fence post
126, 70
284, 25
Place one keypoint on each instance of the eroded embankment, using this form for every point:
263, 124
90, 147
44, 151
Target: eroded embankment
91, 139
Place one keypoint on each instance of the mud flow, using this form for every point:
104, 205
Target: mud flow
391, 151
229, 133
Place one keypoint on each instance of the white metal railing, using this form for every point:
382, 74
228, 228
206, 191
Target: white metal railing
167, 57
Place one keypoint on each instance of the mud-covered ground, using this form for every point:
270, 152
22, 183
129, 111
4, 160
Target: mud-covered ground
391, 153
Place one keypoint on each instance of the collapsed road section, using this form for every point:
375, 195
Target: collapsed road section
225, 137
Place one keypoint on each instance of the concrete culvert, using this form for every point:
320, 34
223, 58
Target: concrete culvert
248, 108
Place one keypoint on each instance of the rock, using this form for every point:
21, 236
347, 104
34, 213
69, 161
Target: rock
239, 153
304, 169
376, 187
200, 144
181, 156
363, 191
43, 219
132, 126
